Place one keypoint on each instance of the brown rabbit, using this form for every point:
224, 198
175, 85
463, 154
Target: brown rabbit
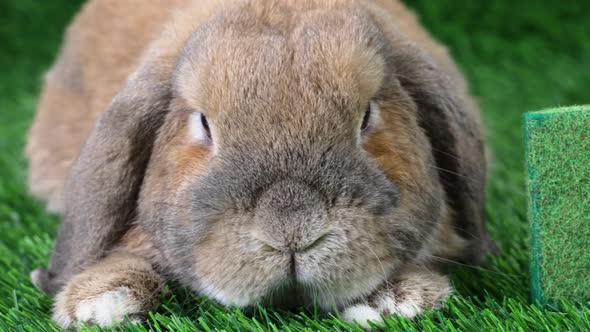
258, 151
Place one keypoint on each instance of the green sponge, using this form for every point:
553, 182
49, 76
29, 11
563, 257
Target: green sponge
558, 160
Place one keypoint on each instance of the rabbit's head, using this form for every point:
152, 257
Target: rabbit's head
289, 149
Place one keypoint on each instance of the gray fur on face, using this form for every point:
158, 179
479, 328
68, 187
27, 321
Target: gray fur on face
290, 197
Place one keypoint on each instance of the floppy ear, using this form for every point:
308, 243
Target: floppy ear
453, 127
101, 191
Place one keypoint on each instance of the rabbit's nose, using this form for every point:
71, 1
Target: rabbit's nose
292, 246
307, 244
290, 217
312, 244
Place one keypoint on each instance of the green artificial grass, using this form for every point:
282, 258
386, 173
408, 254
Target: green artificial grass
558, 159
518, 55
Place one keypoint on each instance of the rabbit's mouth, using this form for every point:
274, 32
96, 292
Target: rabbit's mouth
292, 294
329, 274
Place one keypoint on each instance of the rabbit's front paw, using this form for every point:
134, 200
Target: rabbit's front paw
103, 309
408, 295
116, 287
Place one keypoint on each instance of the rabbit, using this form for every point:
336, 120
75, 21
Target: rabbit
274, 152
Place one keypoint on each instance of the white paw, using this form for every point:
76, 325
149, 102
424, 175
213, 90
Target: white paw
407, 298
361, 314
105, 309
409, 308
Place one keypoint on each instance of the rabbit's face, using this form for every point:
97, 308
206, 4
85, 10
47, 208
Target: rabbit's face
292, 163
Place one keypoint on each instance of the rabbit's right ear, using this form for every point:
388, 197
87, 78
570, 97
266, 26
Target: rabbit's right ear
101, 192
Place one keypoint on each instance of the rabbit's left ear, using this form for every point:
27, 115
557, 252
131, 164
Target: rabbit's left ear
101, 192
453, 127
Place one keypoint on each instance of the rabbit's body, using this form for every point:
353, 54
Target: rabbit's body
277, 188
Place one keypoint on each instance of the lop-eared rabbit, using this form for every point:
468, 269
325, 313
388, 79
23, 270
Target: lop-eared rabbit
275, 152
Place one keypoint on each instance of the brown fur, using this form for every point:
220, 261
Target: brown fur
284, 85
416, 286
119, 270
78, 88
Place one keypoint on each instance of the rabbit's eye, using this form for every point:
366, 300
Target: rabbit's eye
366, 118
205, 125
200, 131
369, 118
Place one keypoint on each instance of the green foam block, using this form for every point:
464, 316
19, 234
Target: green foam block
558, 163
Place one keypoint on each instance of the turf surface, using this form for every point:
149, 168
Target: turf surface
558, 163
518, 55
